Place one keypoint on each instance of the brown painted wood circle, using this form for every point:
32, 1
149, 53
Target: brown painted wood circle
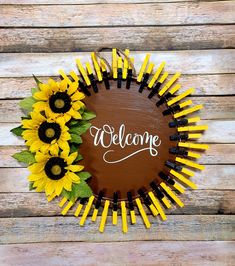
139, 114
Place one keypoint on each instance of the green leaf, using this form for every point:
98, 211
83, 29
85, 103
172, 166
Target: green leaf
75, 139
79, 158
74, 148
73, 122
81, 110
33, 90
80, 129
37, 80
17, 131
31, 186
25, 157
87, 115
82, 190
27, 103
84, 175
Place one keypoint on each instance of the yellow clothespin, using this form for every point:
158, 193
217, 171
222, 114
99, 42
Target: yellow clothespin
68, 206
79, 208
193, 128
188, 111
125, 64
172, 194
183, 179
190, 163
163, 77
143, 213
169, 83
193, 155
157, 205
193, 119
62, 202
104, 216
143, 67
115, 217
86, 211
150, 68
156, 75
74, 76
194, 136
83, 72
193, 145
180, 97
89, 69
64, 76
124, 217
96, 66
166, 202
103, 65
114, 63
175, 89
133, 217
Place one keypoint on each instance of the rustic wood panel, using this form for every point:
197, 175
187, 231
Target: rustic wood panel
51, 229
213, 177
219, 132
139, 38
121, 14
186, 62
85, 2
196, 202
192, 253
217, 154
214, 108
205, 85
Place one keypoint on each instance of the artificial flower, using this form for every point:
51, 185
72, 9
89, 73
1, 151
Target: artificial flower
59, 99
53, 173
45, 134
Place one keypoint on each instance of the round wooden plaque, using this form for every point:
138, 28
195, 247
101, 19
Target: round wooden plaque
128, 142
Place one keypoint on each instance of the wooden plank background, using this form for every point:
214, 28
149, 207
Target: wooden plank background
196, 38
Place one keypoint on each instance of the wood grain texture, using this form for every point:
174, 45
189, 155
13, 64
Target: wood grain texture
196, 202
205, 85
83, 2
186, 62
214, 108
219, 132
51, 229
217, 154
139, 38
187, 13
191, 253
213, 178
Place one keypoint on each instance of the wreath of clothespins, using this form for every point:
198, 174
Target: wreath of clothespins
57, 117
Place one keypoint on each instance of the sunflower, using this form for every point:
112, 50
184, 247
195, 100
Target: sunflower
52, 173
59, 99
45, 134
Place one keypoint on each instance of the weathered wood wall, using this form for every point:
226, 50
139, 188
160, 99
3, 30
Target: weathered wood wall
196, 38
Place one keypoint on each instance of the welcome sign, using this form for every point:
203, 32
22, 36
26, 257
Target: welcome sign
110, 139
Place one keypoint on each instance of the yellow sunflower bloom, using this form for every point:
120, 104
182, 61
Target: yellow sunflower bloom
53, 173
59, 99
45, 134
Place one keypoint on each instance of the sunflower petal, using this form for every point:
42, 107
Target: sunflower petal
75, 168
36, 168
71, 158
72, 88
40, 106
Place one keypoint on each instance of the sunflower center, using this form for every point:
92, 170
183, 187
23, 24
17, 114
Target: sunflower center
55, 168
60, 102
47, 132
